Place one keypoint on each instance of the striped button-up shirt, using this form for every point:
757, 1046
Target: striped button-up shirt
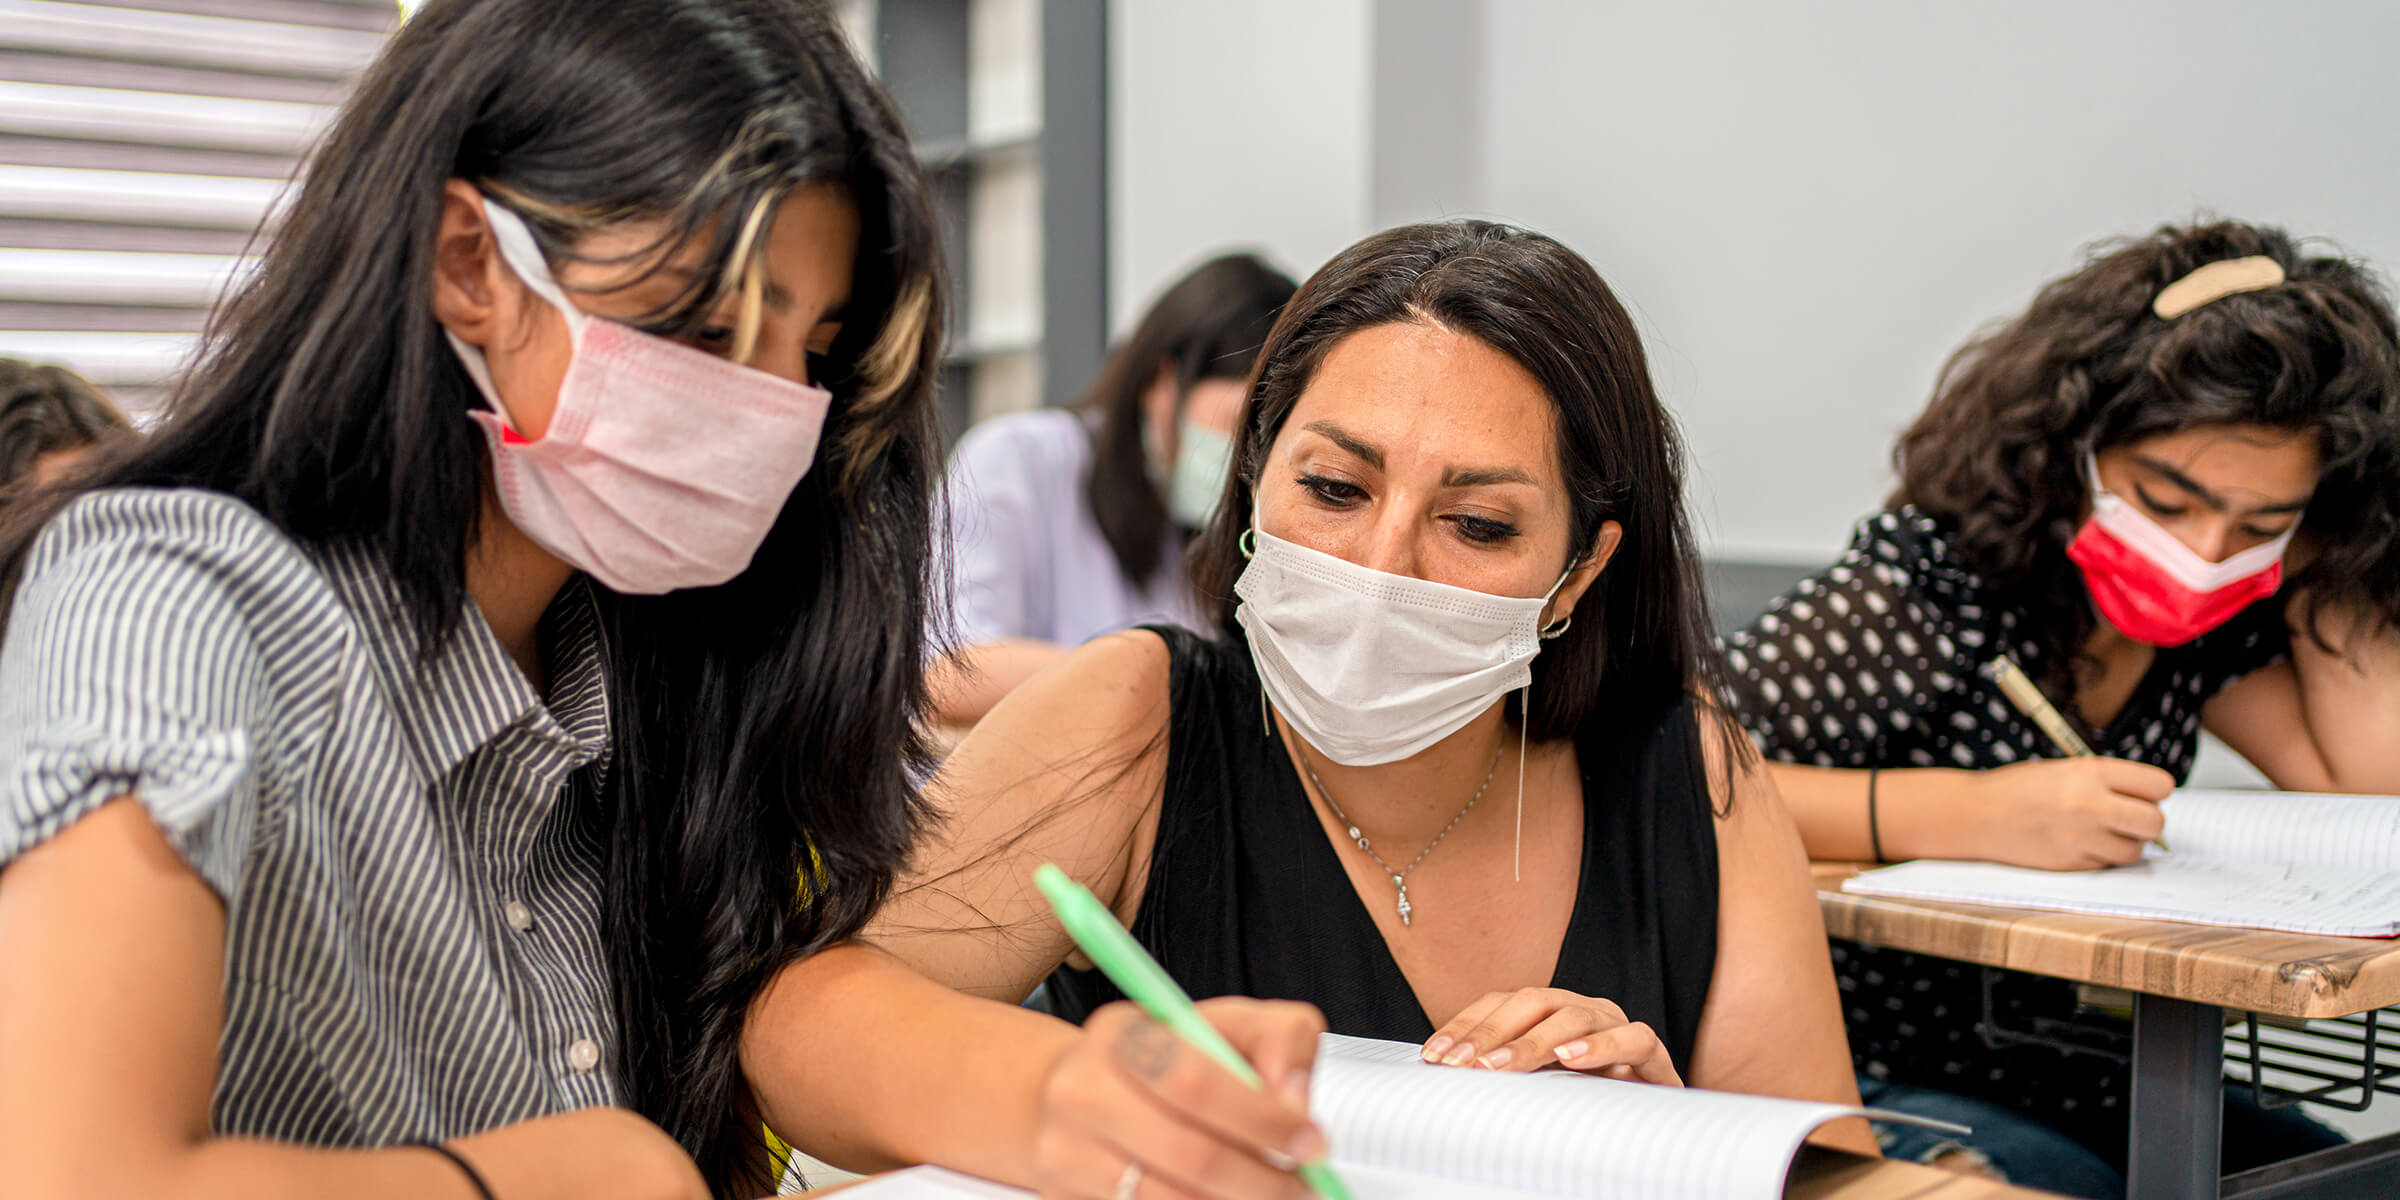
408, 849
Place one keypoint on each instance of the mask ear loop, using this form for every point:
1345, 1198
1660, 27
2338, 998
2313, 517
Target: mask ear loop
514, 243
1248, 545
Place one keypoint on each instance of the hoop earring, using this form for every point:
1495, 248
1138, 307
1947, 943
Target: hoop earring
1247, 543
1558, 628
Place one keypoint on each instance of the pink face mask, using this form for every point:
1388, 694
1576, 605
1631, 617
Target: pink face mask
2155, 589
663, 466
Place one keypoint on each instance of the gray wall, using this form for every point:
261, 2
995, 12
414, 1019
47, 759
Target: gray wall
1233, 123
1807, 205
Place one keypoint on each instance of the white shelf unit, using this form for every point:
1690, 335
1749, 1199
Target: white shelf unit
1003, 98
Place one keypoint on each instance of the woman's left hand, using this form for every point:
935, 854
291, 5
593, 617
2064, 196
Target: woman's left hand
1532, 1028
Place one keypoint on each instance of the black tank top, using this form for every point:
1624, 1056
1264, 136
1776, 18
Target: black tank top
1246, 895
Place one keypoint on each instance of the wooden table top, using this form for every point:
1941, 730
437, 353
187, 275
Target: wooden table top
2251, 970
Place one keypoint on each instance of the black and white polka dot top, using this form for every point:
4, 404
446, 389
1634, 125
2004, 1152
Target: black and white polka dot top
1877, 662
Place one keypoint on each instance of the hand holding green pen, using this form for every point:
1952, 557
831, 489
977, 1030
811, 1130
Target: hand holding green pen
1135, 973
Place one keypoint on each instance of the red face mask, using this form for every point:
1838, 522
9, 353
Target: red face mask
2155, 589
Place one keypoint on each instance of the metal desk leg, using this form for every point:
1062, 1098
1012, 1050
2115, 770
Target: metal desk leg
2178, 1099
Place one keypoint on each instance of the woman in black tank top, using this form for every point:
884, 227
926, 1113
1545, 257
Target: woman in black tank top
1246, 896
1449, 769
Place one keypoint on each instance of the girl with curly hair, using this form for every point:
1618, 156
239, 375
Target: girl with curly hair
2170, 492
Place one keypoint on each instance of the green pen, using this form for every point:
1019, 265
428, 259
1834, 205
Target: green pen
1139, 976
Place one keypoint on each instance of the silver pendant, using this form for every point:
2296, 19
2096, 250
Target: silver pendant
1402, 884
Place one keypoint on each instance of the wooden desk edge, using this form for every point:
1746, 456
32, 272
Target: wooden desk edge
2248, 970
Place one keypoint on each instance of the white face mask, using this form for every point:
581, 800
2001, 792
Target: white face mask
1370, 667
1203, 458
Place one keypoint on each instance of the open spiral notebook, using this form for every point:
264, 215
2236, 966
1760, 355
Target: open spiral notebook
1405, 1130
2286, 861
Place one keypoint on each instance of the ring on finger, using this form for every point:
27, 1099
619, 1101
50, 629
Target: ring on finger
1129, 1181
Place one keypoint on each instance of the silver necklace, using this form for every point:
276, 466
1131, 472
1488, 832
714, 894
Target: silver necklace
1399, 877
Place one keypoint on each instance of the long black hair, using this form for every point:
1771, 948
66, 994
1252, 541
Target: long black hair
752, 722
1640, 639
1209, 325
2089, 365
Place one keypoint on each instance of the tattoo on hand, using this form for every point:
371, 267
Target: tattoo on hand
1146, 1049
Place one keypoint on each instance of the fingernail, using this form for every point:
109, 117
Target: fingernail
1295, 1089
1460, 1055
1307, 1146
1496, 1059
1434, 1048
1572, 1051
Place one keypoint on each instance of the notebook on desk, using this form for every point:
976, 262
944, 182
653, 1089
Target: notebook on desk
2285, 861
1405, 1130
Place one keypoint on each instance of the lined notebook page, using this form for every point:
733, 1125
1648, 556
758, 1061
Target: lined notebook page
1552, 1133
2334, 901
934, 1183
2286, 827
1403, 1129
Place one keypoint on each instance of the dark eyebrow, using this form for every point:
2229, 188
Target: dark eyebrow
2211, 499
1454, 477
1341, 437
774, 294
1458, 477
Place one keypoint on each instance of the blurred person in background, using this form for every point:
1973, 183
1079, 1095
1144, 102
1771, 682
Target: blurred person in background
1068, 523
50, 417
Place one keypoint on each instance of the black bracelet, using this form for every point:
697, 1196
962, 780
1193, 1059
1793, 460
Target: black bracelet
1874, 830
460, 1161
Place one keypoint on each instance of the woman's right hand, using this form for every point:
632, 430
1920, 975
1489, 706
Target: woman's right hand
1129, 1093
587, 1152
2067, 814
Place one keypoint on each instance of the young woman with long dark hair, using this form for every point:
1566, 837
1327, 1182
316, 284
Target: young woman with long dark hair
2169, 491
412, 758
1453, 483
1065, 524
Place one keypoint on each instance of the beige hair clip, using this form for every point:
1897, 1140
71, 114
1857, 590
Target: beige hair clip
2216, 281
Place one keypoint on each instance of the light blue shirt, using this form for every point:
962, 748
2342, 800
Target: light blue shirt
1027, 559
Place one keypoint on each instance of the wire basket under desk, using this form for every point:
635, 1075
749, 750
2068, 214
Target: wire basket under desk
2339, 1062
